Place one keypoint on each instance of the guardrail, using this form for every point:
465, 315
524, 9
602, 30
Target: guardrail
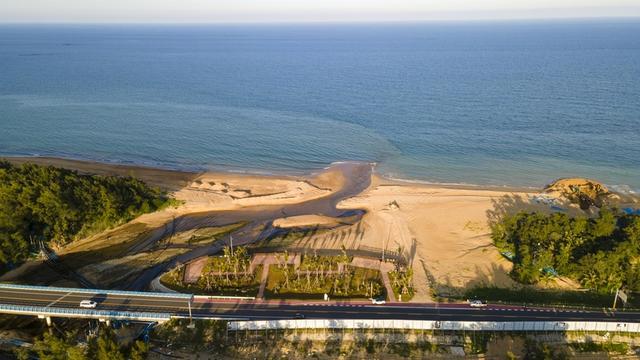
436, 325
96, 291
221, 297
83, 313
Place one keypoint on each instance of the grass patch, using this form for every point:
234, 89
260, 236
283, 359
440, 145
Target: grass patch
352, 283
214, 234
206, 234
401, 282
609, 348
545, 297
240, 286
288, 238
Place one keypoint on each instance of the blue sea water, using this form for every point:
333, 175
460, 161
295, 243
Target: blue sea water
511, 103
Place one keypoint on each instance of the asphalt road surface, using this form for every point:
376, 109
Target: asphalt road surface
264, 310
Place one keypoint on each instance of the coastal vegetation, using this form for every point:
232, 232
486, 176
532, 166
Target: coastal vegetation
104, 346
44, 204
552, 297
601, 253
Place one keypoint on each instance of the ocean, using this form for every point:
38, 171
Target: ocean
487, 103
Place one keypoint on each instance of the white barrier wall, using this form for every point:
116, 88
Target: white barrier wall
79, 313
436, 325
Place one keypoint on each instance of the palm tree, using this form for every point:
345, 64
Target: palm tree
344, 258
286, 276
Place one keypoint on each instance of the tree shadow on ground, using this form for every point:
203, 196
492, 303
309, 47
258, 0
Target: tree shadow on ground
507, 205
447, 289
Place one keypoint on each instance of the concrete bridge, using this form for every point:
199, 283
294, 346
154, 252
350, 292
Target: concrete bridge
47, 302
51, 302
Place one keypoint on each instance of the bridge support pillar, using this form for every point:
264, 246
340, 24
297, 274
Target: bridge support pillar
46, 318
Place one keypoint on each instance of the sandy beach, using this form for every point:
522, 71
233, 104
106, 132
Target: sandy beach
443, 231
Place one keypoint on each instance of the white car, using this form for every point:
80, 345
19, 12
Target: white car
89, 304
378, 301
476, 303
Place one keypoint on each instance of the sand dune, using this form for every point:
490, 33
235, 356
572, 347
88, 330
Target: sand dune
221, 191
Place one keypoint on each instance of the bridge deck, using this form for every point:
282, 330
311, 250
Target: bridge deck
63, 299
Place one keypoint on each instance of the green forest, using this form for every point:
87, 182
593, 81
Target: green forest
101, 347
602, 253
48, 204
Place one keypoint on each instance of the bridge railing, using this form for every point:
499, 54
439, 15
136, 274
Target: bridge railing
96, 291
437, 325
82, 313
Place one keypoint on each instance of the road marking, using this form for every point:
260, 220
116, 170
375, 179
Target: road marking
60, 298
106, 303
84, 295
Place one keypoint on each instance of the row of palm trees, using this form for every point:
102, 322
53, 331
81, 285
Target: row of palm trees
232, 269
402, 280
315, 272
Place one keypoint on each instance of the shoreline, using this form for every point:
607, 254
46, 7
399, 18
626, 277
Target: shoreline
173, 179
441, 229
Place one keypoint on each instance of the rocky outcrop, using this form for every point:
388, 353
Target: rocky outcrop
581, 191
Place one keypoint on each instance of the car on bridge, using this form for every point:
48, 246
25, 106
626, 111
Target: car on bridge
378, 301
88, 304
477, 303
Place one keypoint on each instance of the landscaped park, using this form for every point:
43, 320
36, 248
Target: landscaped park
284, 275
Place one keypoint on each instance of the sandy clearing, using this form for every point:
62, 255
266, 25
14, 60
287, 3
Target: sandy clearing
443, 231
221, 191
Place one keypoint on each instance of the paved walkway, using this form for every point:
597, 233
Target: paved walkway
383, 267
387, 285
193, 270
263, 281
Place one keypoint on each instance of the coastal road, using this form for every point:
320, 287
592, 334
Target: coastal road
268, 310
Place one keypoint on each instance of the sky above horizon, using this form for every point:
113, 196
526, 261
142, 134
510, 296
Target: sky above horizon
224, 11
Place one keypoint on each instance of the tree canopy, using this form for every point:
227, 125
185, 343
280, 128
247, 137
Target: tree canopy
602, 253
48, 204
101, 347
